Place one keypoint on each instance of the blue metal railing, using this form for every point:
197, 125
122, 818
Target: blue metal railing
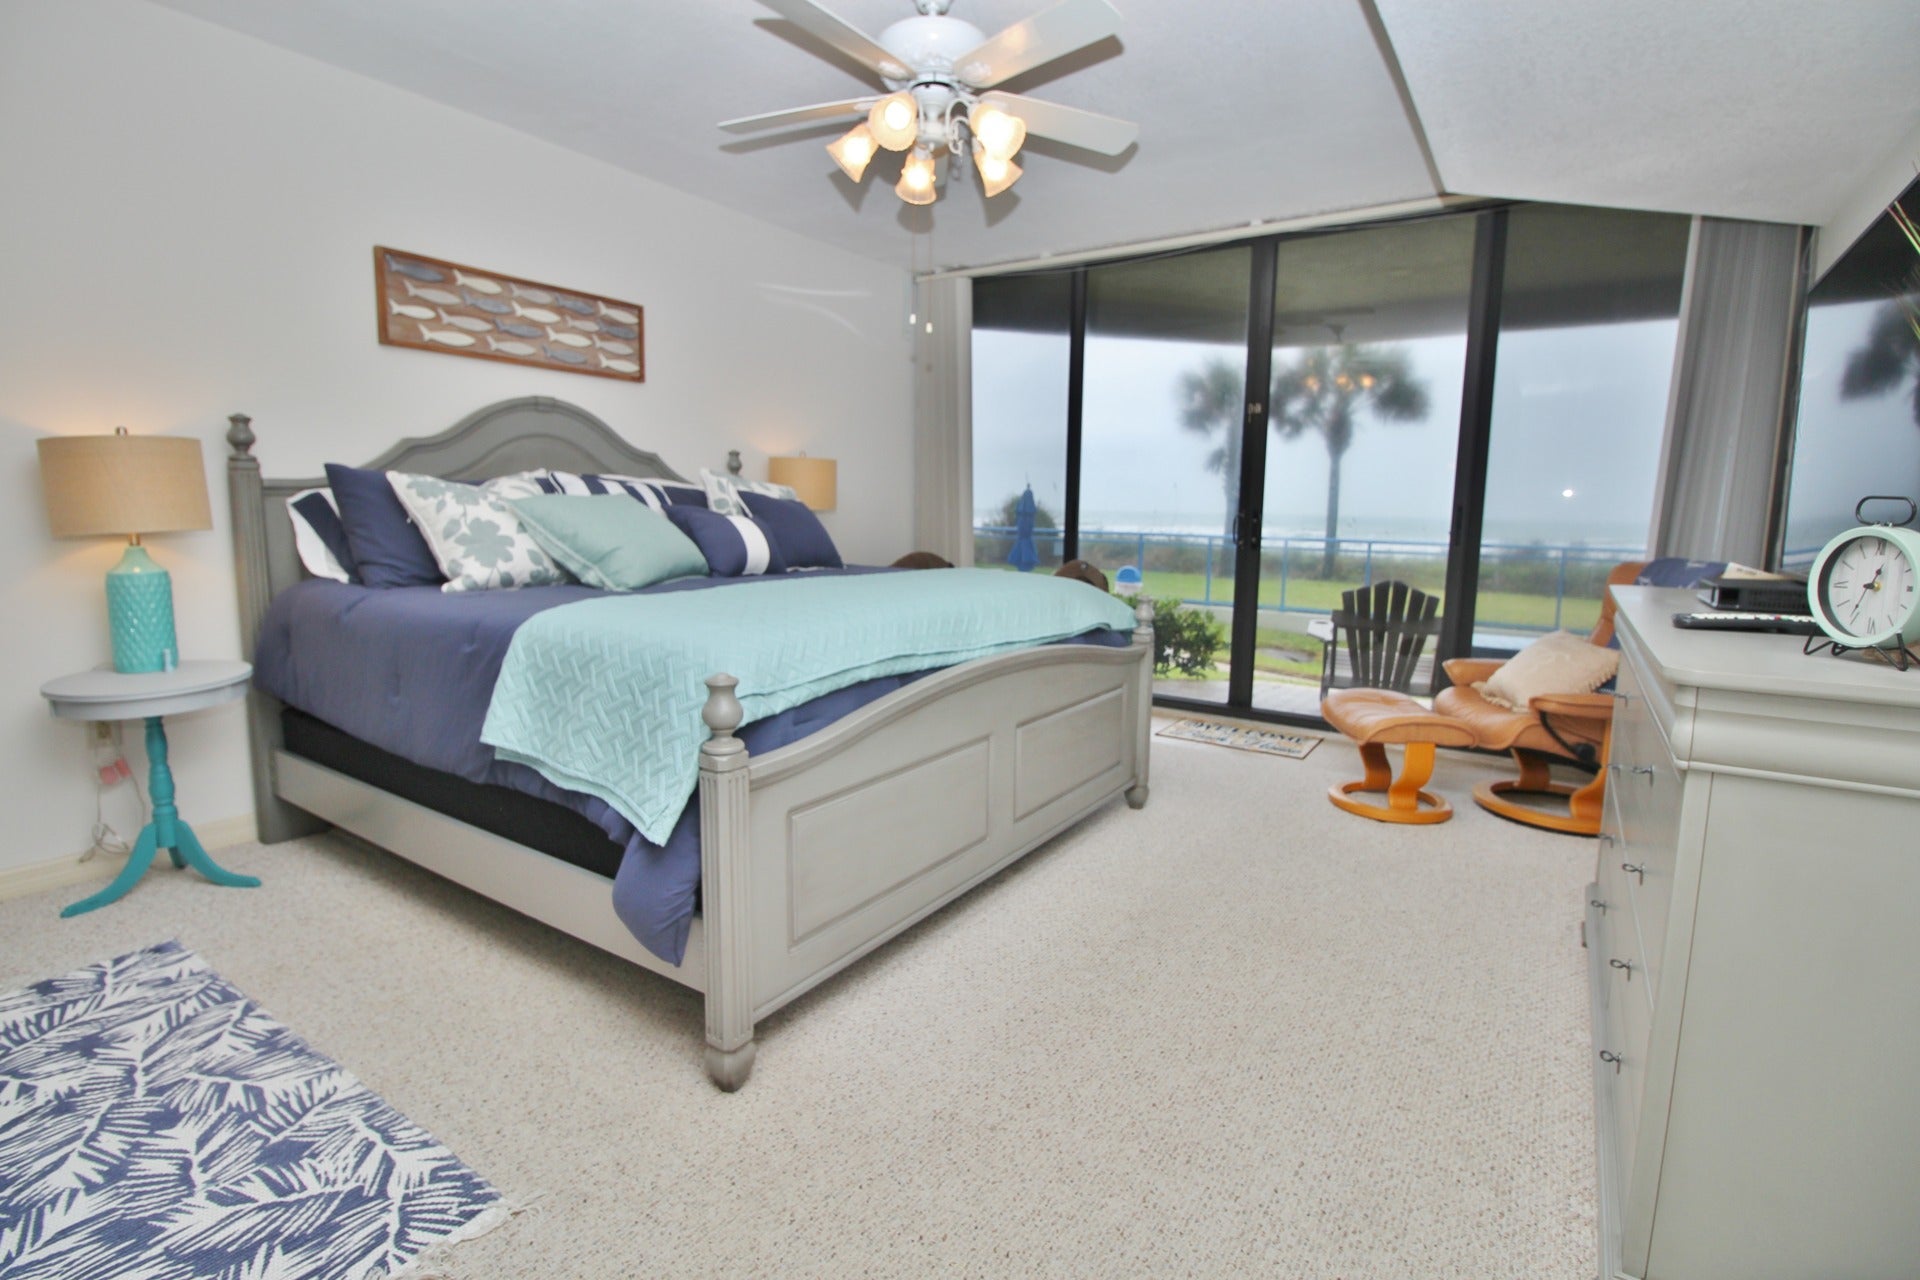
1206, 549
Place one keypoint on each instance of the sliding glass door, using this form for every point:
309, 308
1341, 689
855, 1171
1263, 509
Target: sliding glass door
1162, 411
1468, 403
1368, 356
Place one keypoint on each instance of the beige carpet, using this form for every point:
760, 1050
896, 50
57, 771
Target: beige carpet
1238, 1033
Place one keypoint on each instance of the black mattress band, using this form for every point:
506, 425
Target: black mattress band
512, 815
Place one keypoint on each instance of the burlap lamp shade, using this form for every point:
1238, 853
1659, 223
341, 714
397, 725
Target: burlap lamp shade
127, 486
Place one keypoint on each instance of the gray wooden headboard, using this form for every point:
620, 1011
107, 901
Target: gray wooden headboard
510, 436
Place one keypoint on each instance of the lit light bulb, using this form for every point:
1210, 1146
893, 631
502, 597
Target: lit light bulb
916, 178
895, 121
997, 173
1566, 493
853, 150
999, 130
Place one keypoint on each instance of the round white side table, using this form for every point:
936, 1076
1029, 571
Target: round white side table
151, 696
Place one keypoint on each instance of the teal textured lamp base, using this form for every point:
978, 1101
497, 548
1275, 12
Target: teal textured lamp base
166, 831
140, 613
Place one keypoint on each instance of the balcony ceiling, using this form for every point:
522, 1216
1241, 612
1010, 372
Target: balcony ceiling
1774, 110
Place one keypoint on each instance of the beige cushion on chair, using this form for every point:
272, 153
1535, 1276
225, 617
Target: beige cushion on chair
1559, 662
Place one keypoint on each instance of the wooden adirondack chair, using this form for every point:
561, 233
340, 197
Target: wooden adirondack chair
1386, 628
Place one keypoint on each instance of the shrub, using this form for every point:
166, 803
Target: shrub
1184, 640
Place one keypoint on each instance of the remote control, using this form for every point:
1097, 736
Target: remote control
1797, 624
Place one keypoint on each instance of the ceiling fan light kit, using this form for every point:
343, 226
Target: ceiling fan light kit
997, 173
854, 150
936, 69
917, 178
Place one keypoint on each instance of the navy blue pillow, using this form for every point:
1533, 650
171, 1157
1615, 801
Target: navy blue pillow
734, 546
319, 515
387, 550
802, 539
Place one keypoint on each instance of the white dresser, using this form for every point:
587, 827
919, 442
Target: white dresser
1753, 938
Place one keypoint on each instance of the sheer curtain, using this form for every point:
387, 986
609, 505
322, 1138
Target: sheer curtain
943, 418
1734, 373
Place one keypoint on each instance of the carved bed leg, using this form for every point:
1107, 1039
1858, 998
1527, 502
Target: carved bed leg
1143, 640
725, 902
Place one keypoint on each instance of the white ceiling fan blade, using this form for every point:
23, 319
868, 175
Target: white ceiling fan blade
841, 34
1049, 34
1087, 130
799, 115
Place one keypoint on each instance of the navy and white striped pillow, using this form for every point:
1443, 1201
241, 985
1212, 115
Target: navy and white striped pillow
657, 494
319, 536
734, 546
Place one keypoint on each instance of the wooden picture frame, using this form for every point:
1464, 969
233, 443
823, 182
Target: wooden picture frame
431, 304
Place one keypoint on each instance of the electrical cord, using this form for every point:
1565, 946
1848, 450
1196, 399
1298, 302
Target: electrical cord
110, 769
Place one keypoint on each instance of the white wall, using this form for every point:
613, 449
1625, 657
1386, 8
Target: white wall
186, 231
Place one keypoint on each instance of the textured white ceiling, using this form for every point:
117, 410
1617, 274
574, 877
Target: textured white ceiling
1765, 109
1248, 111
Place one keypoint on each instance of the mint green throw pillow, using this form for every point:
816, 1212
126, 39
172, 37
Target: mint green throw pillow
609, 540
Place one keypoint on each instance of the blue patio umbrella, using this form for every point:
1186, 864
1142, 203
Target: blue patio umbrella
1023, 555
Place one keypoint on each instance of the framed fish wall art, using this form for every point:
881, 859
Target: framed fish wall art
464, 311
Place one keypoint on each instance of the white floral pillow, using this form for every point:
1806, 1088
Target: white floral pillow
475, 536
723, 492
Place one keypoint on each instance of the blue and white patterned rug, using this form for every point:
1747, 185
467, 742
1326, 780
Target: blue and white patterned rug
156, 1124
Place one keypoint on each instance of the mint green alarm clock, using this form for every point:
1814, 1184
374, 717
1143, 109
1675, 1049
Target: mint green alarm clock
1865, 584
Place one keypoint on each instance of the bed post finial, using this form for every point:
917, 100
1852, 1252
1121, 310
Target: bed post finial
726, 907
240, 434
723, 712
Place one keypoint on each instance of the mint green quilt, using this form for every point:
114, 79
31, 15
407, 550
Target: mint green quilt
604, 696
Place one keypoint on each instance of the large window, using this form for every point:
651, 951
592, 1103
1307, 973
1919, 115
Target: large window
1858, 431
1471, 403
1021, 339
1588, 318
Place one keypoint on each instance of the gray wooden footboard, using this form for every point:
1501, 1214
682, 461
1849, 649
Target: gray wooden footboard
813, 854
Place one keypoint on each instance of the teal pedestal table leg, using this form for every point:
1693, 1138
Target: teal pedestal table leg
166, 831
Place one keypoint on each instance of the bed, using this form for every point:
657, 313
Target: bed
803, 864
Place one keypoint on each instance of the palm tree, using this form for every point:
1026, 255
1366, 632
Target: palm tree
1892, 350
1325, 388
1212, 398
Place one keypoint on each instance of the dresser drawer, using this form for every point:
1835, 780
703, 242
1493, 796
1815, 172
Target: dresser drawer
1644, 793
1621, 1037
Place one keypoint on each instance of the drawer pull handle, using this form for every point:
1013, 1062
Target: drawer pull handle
1646, 769
1608, 838
1597, 905
1608, 1055
1625, 966
1622, 698
1640, 873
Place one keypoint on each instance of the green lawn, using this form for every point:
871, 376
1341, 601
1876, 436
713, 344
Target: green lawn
1496, 608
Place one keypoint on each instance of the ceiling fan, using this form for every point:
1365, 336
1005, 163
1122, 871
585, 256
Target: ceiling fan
937, 70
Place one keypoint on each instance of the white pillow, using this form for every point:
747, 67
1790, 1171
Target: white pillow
1558, 662
475, 537
315, 554
723, 492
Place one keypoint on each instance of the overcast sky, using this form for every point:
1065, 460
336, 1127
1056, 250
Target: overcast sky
1574, 409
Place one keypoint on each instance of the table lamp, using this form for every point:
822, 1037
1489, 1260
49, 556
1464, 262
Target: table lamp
813, 480
128, 486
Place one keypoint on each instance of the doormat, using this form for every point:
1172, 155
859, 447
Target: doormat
156, 1123
1293, 746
